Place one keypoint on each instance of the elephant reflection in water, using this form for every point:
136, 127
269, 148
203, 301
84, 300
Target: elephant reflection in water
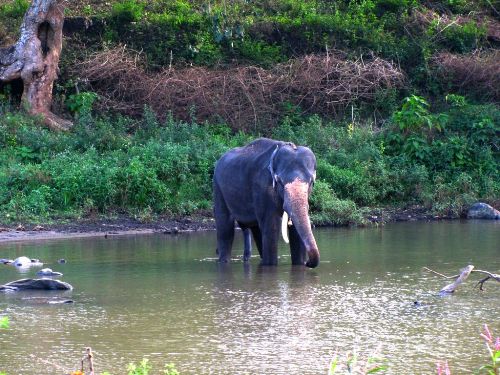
260, 186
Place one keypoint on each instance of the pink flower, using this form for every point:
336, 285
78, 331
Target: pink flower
497, 344
487, 334
443, 367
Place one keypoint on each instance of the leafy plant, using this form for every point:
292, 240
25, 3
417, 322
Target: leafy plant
127, 11
81, 103
170, 369
142, 368
4, 322
354, 364
493, 347
14, 9
413, 115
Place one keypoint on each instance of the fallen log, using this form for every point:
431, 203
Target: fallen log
460, 278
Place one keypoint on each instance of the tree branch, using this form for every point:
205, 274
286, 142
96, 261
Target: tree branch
460, 278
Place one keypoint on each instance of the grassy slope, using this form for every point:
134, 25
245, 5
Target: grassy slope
443, 157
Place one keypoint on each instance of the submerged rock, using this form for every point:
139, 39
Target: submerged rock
35, 284
48, 272
483, 211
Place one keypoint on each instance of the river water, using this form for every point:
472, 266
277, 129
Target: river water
165, 298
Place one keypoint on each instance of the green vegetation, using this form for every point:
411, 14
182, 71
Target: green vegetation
145, 167
4, 322
428, 142
272, 31
144, 368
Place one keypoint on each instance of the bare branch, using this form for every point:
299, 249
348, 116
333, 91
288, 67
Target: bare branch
460, 278
450, 288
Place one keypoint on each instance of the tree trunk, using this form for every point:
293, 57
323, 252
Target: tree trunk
34, 59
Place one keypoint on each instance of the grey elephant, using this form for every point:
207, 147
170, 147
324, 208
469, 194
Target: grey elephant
260, 186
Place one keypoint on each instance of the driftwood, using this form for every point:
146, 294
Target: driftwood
460, 278
88, 357
34, 59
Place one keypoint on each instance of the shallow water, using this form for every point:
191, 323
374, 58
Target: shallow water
166, 299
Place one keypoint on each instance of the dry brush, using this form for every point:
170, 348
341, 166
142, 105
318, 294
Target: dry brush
245, 97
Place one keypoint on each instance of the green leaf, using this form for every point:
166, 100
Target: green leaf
333, 366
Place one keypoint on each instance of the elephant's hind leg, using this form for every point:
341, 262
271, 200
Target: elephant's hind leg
247, 243
225, 227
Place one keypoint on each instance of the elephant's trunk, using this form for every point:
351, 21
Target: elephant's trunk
297, 205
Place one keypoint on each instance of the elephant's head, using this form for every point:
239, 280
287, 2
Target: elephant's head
293, 170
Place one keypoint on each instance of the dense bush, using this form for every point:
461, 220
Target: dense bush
442, 155
444, 161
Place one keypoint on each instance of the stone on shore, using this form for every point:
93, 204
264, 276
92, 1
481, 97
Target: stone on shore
35, 284
483, 211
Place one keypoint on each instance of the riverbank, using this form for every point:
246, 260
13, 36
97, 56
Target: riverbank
126, 225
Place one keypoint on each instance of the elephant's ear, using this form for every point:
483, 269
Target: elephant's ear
270, 166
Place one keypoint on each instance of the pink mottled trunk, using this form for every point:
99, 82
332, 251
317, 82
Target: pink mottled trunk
297, 205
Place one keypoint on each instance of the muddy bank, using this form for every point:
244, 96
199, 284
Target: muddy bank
125, 225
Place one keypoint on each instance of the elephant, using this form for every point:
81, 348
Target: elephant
247, 243
258, 186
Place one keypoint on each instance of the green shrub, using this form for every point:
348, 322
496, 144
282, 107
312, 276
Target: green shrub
14, 9
127, 11
347, 183
327, 209
454, 197
81, 103
464, 38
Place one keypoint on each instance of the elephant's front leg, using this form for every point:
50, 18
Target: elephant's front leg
257, 236
270, 229
297, 248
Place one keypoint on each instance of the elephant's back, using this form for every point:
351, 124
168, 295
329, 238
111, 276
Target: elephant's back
247, 155
242, 165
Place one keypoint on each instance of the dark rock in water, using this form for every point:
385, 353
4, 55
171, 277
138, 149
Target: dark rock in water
35, 284
48, 272
61, 261
483, 211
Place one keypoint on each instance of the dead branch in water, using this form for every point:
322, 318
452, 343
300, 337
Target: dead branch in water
88, 358
460, 278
